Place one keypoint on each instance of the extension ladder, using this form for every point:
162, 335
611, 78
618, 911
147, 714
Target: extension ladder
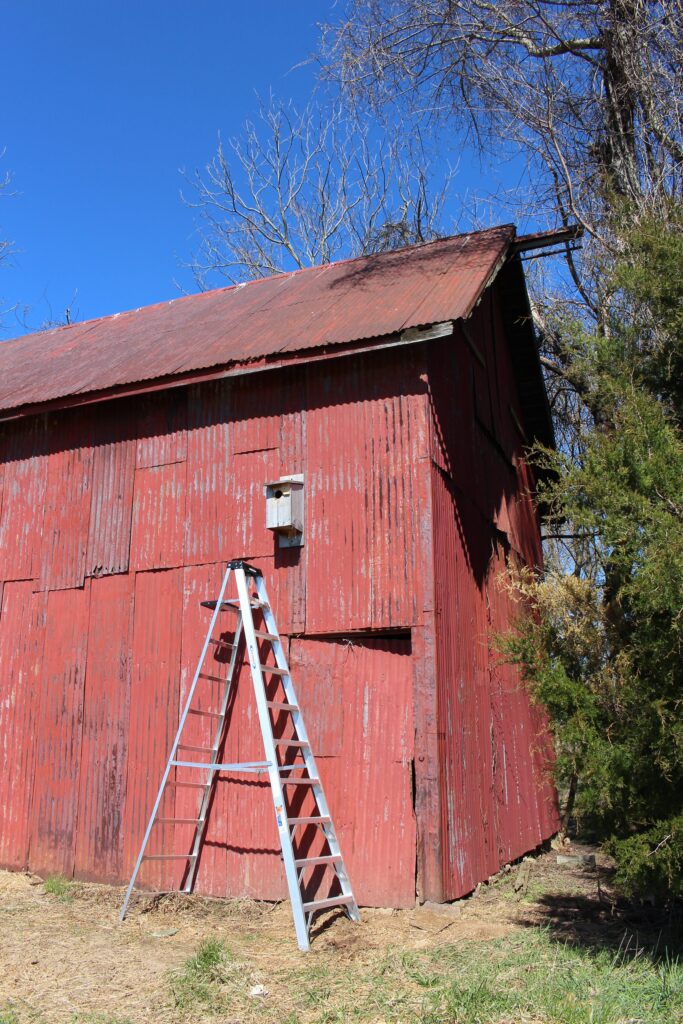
289, 764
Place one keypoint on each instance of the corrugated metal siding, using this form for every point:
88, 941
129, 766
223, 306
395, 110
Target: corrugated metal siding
497, 797
363, 499
159, 517
153, 715
156, 515
321, 306
111, 510
22, 631
24, 484
104, 750
358, 696
58, 732
208, 480
161, 422
62, 559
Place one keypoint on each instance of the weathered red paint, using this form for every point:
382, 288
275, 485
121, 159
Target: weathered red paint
22, 632
323, 306
480, 485
58, 732
117, 521
106, 729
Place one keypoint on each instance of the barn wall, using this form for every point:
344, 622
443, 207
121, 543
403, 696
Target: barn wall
117, 520
497, 801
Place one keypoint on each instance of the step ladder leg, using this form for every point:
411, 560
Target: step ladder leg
212, 776
181, 726
308, 756
286, 846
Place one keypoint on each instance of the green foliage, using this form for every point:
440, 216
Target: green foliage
58, 886
602, 648
652, 861
198, 980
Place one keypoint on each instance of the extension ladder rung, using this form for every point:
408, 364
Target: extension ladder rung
170, 856
311, 819
307, 861
274, 670
332, 901
245, 647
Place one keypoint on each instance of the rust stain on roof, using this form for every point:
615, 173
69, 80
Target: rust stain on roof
294, 313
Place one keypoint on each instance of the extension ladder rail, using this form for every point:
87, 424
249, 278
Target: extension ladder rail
289, 761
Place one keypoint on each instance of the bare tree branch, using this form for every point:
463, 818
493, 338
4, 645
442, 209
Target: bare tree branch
303, 188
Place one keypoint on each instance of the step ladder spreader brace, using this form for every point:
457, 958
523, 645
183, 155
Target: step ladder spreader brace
308, 840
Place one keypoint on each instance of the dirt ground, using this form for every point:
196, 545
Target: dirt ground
65, 957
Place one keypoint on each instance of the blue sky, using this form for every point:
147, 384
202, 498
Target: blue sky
104, 103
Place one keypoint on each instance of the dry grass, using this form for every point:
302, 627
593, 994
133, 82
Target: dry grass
187, 959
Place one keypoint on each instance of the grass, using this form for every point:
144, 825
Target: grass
98, 1018
210, 979
60, 887
526, 977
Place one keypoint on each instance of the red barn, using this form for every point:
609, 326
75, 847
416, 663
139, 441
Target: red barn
134, 450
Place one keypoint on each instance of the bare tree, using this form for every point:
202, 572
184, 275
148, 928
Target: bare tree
303, 188
5, 244
590, 92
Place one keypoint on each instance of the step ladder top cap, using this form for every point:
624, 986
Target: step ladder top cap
239, 563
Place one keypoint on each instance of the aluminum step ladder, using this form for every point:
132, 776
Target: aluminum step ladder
289, 761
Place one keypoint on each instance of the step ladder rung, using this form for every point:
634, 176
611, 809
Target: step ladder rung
280, 705
219, 766
274, 670
290, 743
331, 901
310, 861
170, 856
234, 605
311, 819
300, 782
205, 714
178, 821
196, 750
261, 635
212, 679
181, 784
220, 643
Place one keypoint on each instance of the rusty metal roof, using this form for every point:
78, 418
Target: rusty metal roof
291, 314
